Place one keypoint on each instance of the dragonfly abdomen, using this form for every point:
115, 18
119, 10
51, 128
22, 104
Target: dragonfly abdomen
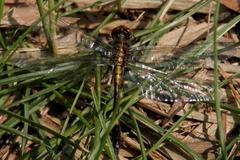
119, 65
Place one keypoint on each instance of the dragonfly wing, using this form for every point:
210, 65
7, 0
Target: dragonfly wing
61, 68
85, 42
156, 85
171, 57
95, 45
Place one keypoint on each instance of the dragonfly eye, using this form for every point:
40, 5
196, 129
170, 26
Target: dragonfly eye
121, 32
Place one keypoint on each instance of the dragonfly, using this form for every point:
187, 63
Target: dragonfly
154, 81
127, 69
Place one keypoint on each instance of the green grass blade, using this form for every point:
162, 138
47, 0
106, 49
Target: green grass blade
38, 94
143, 149
151, 125
7, 54
216, 85
33, 124
25, 128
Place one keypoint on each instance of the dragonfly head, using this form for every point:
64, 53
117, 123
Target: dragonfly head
121, 32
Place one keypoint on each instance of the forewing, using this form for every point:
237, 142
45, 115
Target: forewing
171, 57
95, 45
83, 41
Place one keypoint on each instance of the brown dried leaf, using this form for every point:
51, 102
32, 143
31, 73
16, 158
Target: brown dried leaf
232, 4
234, 91
17, 15
179, 37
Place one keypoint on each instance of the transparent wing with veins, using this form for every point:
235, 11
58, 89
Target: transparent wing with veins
157, 85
